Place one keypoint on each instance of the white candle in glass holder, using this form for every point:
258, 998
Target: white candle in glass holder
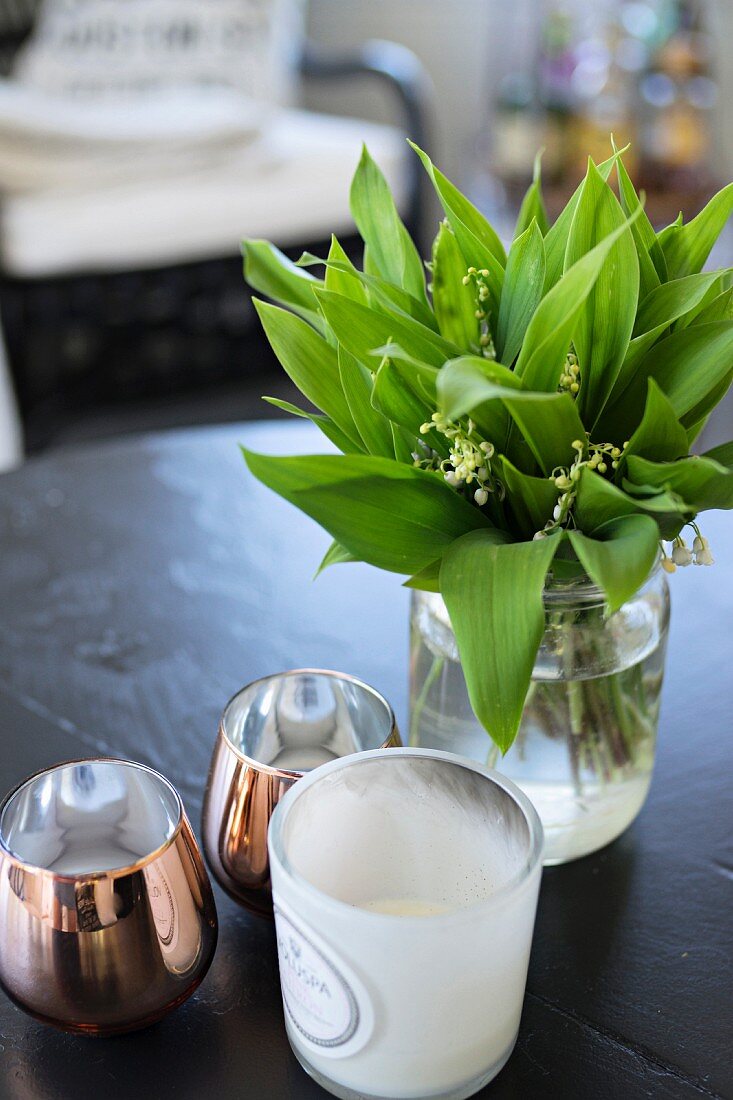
405, 886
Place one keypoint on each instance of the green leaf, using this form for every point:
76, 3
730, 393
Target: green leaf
556, 238
549, 422
391, 515
687, 247
326, 425
687, 365
701, 482
454, 303
476, 238
665, 305
467, 213
464, 384
722, 454
603, 326
620, 556
672, 300
598, 501
342, 277
335, 555
358, 385
549, 332
493, 592
422, 374
696, 419
652, 264
361, 329
660, 436
391, 298
271, 273
397, 395
381, 228
533, 206
521, 293
403, 443
719, 309
427, 580
530, 500
310, 362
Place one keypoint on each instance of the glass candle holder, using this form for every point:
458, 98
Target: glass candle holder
271, 733
107, 917
405, 887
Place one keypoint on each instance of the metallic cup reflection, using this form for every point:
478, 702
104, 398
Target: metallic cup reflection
271, 733
107, 917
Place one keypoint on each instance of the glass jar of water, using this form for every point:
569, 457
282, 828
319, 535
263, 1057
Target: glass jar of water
585, 747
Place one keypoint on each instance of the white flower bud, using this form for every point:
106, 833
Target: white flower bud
668, 565
481, 496
681, 555
451, 478
538, 535
704, 557
556, 512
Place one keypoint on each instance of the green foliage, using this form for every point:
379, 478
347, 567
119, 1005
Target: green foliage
521, 293
604, 325
619, 555
520, 414
493, 591
533, 205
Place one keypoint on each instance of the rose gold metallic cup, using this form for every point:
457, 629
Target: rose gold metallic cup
271, 733
107, 917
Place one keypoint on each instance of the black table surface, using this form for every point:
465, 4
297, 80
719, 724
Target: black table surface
143, 582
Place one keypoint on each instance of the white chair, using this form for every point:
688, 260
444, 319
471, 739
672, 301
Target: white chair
107, 209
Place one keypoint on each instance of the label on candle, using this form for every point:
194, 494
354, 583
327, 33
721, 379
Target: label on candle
325, 1001
162, 906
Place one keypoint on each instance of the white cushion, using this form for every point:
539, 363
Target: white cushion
290, 185
51, 141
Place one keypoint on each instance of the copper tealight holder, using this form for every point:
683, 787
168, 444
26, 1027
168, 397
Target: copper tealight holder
271, 733
107, 917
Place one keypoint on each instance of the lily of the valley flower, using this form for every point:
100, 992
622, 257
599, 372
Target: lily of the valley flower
469, 460
681, 553
701, 548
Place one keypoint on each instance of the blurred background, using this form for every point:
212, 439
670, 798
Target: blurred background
140, 140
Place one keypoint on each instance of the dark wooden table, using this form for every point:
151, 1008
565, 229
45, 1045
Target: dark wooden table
142, 582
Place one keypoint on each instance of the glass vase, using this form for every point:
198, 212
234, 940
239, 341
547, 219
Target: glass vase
585, 747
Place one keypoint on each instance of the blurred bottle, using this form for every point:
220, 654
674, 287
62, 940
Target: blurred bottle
518, 130
678, 95
555, 67
605, 85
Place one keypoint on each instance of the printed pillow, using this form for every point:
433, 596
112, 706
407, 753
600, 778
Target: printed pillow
127, 48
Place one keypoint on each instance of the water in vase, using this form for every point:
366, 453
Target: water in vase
585, 748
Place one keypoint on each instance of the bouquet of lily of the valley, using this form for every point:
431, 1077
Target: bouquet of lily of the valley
519, 412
